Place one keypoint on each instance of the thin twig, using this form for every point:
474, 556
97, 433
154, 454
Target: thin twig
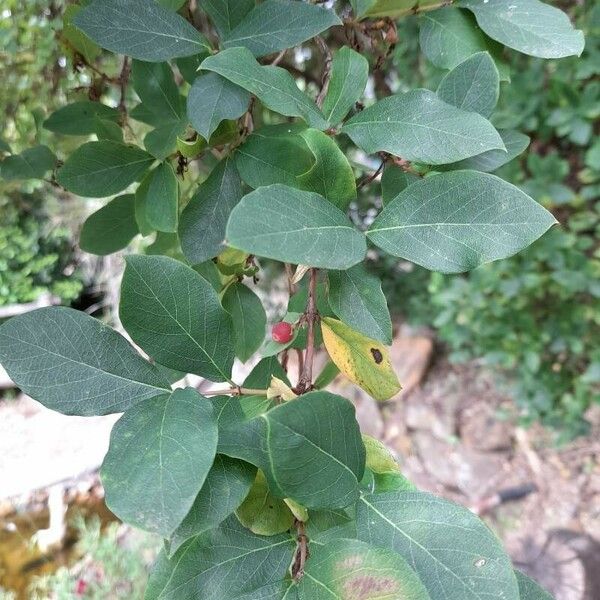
235, 391
311, 314
301, 552
370, 178
123, 81
279, 58
326, 71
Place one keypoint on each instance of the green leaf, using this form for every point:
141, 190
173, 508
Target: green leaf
262, 513
454, 222
473, 85
4, 147
449, 36
156, 87
141, 195
226, 15
188, 66
356, 298
363, 360
529, 589
175, 316
395, 180
260, 377
32, 163
274, 154
348, 569
293, 226
227, 484
331, 176
418, 126
453, 552
331, 525
74, 364
159, 456
162, 141
108, 130
204, 219
529, 26
111, 228
100, 169
349, 76
515, 142
229, 563
213, 99
79, 118
249, 317
75, 39
141, 29
303, 457
172, 4
273, 86
278, 24
162, 199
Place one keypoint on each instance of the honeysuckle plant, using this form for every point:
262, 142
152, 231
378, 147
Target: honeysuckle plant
216, 138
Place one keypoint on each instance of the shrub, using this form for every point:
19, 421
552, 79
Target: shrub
266, 488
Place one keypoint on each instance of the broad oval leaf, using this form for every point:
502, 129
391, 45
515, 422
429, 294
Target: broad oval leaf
273, 86
159, 456
228, 563
454, 222
261, 512
175, 316
141, 29
278, 24
515, 142
74, 364
227, 484
156, 87
111, 228
162, 141
32, 163
349, 76
355, 296
293, 226
473, 85
331, 176
226, 15
204, 219
453, 552
100, 169
529, 26
395, 180
449, 36
249, 317
213, 99
302, 456
529, 589
363, 360
274, 154
79, 118
351, 569
418, 126
162, 199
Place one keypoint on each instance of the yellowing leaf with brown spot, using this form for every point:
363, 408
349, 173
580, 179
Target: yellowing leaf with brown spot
364, 361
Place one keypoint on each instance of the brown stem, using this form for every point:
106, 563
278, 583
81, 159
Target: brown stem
123, 81
327, 70
301, 552
370, 178
236, 391
311, 315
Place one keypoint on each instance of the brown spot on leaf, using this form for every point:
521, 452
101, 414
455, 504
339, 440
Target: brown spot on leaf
377, 355
364, 587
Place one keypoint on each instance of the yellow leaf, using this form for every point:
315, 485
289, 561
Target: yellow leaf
298, 510
379, 458
364, 361
278, 389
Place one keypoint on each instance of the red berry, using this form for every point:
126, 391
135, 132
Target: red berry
282, 333
80, 587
